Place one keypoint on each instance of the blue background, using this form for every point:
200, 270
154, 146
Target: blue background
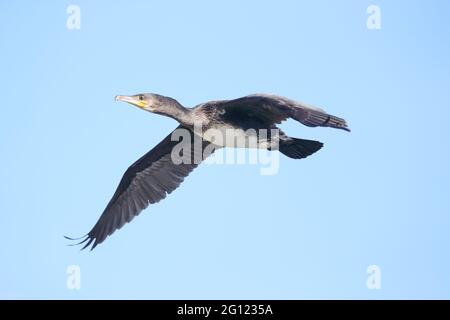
378, 195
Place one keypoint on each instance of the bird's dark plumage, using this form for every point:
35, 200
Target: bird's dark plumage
155, 175
266, 110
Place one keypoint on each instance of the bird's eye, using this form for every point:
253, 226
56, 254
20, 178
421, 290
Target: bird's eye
141, 98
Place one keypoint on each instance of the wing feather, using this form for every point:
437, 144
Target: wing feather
263, 110
146, 181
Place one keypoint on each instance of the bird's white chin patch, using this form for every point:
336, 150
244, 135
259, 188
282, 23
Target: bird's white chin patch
148, 108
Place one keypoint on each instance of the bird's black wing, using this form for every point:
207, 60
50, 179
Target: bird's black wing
267, 110
146, 181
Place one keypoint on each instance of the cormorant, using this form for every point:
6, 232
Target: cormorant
156, 174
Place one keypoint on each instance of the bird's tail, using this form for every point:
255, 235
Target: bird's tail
299, 148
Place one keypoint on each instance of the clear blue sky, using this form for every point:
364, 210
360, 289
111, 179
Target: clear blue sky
379, 195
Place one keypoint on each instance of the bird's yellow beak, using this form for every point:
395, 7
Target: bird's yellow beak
132, 100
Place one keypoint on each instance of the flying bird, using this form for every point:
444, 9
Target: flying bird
156, 174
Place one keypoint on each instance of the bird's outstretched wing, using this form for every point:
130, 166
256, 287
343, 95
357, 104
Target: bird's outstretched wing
146, 181
270, 109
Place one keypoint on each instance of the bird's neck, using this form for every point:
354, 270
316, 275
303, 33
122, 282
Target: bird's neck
179, 113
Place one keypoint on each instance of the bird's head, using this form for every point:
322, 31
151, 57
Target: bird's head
148, 101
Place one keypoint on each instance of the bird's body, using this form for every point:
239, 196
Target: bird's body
247, 122
219, 121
